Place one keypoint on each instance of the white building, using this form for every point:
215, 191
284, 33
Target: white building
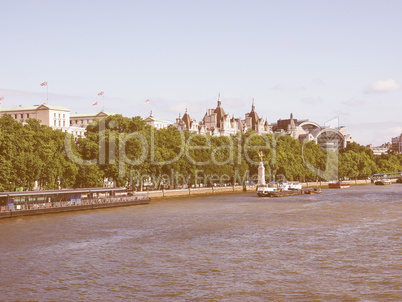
57, 117
157, 123
84, 119
380, 149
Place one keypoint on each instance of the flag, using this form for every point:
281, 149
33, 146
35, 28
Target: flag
147, 101
44, 84
1, 98
94, 104
100, 93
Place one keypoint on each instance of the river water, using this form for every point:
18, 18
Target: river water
342, 245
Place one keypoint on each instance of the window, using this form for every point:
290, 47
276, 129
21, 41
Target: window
64, 123
27, 115
64, 116
59, 115
55, 123
55, 115
59, 123
15, 116
22, 115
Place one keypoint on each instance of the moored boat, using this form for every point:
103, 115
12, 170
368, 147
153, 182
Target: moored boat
340, 184
284, 188
287, 185
382, 182
284, 193
312, 191
264, 190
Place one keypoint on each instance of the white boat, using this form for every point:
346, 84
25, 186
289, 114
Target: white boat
265, 190
295, 186
286, 185
382, 181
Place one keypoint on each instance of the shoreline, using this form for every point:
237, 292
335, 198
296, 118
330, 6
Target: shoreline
74, 208
160, 194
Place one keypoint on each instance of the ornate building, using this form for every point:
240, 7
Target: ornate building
397, 144
217, 122
254, 122
186, 123
328, 138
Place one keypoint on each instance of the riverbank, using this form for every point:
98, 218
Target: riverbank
195, 191
128, 201
234, 189
324, 184
144, 197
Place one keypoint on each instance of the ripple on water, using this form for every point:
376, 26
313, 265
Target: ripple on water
340, 245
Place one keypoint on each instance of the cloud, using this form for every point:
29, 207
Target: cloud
383, 86
311, 100
354, 102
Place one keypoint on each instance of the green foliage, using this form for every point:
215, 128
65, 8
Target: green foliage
119, 149
33, 152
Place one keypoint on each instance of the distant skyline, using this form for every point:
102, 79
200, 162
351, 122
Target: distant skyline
315, 59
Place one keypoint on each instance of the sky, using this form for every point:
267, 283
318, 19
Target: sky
319, 60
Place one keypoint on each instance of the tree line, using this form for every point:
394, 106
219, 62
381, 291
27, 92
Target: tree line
128, 152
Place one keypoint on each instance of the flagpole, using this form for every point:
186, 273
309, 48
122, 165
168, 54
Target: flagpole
47, 93
103, 100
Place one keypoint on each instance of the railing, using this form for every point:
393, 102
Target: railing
65, 204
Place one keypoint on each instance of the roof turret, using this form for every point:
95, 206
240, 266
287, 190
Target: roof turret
220, 113
187, 119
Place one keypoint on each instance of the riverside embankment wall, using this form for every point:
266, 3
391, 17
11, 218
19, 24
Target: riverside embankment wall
194, 191
324, 184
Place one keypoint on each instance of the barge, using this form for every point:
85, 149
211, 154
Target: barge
341, 184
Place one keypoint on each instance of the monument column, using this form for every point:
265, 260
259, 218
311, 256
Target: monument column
261, 170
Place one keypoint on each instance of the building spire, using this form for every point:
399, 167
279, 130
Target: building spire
150, 114
219, 99
253, 106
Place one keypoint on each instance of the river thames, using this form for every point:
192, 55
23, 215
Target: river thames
342, 245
